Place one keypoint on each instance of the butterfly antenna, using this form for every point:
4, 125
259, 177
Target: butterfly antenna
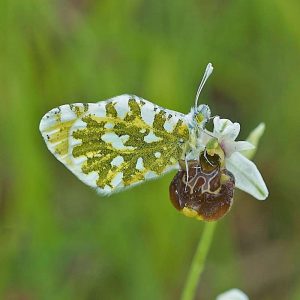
207, 73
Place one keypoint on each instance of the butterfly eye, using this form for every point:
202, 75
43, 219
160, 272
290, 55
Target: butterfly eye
202, 113
206, 193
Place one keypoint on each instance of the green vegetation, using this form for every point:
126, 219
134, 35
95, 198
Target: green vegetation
58, 238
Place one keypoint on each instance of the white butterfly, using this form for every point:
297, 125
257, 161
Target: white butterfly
123, 141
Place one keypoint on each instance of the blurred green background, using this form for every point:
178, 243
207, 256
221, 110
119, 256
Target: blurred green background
58, 239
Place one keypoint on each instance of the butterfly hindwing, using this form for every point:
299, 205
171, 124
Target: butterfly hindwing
117, 143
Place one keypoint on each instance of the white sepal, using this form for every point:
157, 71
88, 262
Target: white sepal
247, 176
231, 146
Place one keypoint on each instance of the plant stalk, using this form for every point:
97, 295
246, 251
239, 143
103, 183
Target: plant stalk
198, 262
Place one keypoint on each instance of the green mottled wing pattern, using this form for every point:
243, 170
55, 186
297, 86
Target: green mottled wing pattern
116, 143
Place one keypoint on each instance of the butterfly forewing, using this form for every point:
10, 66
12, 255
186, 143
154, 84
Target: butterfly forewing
116, 143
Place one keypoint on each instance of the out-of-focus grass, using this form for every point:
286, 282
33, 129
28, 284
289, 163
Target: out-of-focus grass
59, 240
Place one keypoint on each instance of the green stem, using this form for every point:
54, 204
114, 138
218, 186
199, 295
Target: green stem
198, 263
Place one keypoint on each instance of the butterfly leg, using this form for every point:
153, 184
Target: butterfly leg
187, 173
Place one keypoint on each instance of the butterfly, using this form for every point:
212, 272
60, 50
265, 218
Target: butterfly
123, 141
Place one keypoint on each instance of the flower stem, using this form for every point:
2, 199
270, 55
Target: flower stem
198, 263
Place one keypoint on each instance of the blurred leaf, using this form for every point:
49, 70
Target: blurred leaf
254, 138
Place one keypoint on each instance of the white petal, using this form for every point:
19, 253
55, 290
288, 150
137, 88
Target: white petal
220, 125
226, 129
234, 294
231, 131
247, 176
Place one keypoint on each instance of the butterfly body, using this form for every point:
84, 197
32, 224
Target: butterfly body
123, 141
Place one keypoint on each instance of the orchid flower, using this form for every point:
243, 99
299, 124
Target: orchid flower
247, 176
233, 294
